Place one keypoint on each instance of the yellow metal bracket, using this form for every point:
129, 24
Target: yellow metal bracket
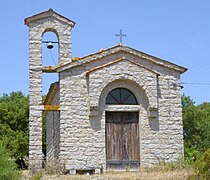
51, 108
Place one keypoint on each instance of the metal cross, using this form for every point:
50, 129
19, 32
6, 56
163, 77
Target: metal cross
121, 35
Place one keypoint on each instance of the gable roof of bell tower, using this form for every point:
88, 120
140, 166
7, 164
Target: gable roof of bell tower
46, 14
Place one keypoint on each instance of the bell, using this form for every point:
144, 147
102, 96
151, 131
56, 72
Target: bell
49, 45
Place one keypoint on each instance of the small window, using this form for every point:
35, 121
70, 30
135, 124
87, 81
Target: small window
121, 96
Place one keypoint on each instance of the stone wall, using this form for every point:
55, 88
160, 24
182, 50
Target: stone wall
38, 25
83, 131
53, 135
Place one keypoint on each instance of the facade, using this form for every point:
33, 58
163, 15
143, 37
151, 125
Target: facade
117, 108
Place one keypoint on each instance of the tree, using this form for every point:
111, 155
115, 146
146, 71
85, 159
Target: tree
14, 112
196, 124
203, 166
8, 168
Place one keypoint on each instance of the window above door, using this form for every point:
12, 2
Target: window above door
121, 96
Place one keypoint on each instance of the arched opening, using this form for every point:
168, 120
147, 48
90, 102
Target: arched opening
121, 96
122, 131
50, 58
50, 54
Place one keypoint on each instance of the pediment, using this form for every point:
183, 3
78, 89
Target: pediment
118, 61
120, 49
48, 14
125, 73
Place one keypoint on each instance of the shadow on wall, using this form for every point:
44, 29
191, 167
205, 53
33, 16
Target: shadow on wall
95, 118
153, 118
154, 123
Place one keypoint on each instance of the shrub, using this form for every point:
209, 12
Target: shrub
191, 155
37, 176
8, 168
203, 165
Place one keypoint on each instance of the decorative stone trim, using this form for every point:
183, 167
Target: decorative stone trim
94, 111
152, 112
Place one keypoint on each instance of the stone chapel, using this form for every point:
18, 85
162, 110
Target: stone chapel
117, 108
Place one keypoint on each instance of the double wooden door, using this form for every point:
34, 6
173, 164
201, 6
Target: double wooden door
122, 139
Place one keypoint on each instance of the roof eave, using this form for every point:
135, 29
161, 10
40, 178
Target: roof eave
126, 49
48, 13
156, 60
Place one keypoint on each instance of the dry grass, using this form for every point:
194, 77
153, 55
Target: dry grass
178, 174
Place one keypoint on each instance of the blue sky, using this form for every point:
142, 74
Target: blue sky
175, 30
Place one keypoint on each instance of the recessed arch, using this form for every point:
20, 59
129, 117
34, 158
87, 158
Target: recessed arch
122, 122
134, 88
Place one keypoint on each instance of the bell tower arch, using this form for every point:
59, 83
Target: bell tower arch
48, 21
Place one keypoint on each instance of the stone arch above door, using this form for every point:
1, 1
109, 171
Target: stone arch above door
102, 79
137, 91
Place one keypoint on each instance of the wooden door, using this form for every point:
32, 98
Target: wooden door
122, 139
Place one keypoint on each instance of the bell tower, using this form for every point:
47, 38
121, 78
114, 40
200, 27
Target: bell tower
48, 21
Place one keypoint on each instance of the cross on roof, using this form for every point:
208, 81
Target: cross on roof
121, 35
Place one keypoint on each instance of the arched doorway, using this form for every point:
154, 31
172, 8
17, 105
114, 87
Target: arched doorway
122, 131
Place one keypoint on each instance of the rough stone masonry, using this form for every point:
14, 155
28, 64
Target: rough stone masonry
77, 138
